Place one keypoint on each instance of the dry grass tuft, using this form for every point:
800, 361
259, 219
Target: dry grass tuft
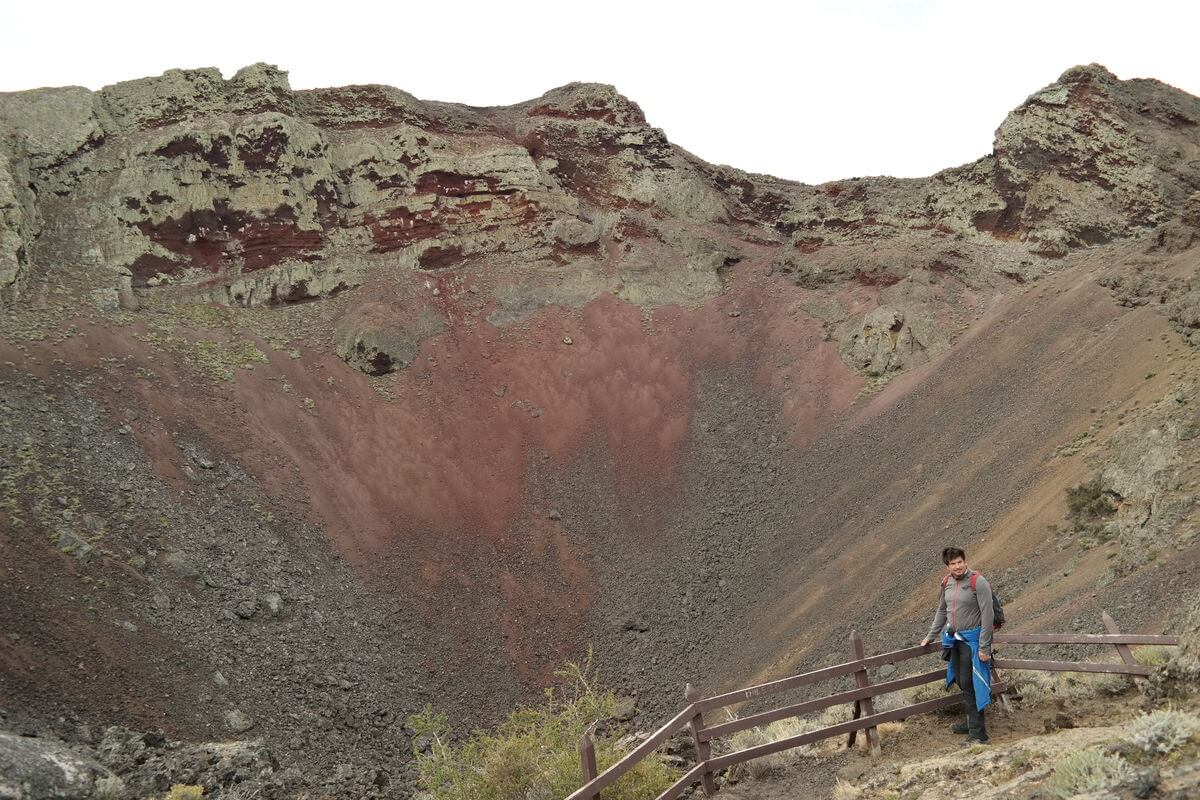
845, 791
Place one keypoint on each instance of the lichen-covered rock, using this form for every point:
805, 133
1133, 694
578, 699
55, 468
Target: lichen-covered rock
174, 96
150, 764
291, 282
12, 241
1180, 676
261, 87
246, 191
1141, 472
1077, 165
574, 232
49, 126
586, 101
34, 769
886, 340
218, 198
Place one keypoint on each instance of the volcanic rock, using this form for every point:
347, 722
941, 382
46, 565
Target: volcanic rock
32, 769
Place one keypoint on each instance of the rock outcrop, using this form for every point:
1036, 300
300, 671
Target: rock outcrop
376, 343
253, 194
33, 769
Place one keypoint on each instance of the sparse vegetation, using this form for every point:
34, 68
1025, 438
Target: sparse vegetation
846, 791
1022, 762
767, 766
936, 690
1154, 655
1035, 688
1086, 500
1162, 732
533, 753
1087, 771
1089, 501
1089, 506
109, 787
184, 792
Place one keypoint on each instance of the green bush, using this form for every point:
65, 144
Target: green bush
1162, 732
1087, 771
1089, 502
534, 753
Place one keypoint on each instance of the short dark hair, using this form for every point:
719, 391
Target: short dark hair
951, 553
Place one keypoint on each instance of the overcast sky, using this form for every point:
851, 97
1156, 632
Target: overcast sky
808, 91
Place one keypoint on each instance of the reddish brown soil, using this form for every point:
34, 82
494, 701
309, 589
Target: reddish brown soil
523, 494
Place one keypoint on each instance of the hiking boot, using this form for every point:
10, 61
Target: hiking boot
960, 727
973, 740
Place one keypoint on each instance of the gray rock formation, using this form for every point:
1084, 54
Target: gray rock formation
249, 193
33, 769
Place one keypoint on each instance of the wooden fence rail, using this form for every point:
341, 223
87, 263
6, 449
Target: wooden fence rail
866, 719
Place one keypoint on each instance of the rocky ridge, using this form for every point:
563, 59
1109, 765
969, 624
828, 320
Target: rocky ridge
247, 192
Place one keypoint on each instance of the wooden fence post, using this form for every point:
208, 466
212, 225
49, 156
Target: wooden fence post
587, 757
1126, 652
867, 704
703, 748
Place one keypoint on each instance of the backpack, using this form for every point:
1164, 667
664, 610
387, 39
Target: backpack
997, 606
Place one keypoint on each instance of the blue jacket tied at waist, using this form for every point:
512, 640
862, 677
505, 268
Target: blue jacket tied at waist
981, 672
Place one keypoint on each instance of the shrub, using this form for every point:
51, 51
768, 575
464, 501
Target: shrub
1155, 655
109, 787
846, 791
533, 753
1089, 502
767, 766
833, 716
183, 792
760, 768
1019, 760
1162, 732
1087, 771
1038, 687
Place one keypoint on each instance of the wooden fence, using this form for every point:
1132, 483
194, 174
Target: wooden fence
866, 718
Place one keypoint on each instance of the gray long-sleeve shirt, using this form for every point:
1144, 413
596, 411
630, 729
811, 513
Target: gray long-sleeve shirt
964, 609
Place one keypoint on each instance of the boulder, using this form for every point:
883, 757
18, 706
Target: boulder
886, 340
35, 769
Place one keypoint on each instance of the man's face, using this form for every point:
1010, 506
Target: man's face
957, 567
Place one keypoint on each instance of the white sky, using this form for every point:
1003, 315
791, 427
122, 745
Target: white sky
810, 91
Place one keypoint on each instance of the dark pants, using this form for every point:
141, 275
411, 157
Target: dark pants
963, 669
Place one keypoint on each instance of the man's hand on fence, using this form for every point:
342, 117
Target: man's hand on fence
984, 657
925, 642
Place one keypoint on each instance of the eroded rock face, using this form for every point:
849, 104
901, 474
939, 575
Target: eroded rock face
33, 769
886, 340
12, 240
1142, 474
375, 343
1090, 158
252, 194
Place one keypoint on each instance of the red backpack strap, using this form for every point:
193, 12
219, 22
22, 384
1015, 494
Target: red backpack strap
945, 581
974, 577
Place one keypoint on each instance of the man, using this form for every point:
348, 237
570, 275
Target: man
963, 624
